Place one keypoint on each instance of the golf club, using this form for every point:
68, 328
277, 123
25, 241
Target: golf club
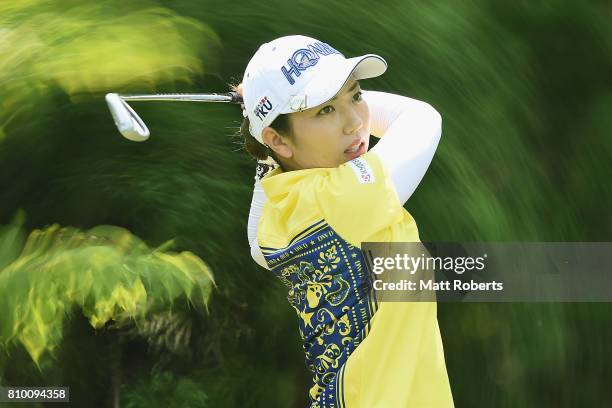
133, 128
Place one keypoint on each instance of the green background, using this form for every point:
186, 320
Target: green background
525, 92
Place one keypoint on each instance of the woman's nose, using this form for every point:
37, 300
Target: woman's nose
353, 122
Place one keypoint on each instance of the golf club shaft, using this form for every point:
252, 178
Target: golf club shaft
231, 97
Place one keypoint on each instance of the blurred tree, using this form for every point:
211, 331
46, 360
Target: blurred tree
93, 47
108, 275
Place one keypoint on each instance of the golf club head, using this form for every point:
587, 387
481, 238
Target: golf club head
127, 121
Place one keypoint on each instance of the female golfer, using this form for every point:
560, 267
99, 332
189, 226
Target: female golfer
303, 107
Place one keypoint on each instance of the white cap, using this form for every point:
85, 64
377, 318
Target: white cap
294, 73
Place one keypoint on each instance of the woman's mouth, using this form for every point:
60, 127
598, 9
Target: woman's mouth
356, 150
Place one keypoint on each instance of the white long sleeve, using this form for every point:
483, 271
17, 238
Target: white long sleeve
257, 204
410, 131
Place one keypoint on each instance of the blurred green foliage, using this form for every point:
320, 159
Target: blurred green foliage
110, 275
165, 389
525, 93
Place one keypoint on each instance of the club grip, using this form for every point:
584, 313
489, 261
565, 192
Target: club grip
235, 97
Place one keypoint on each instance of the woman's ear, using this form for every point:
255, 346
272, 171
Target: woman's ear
279, 144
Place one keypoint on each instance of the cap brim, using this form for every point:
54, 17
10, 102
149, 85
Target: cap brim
324, 87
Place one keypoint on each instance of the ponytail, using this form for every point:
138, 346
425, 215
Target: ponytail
252, 146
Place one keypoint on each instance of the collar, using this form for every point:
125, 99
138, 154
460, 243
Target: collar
277, 184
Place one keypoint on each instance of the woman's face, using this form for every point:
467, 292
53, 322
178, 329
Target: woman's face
329, 134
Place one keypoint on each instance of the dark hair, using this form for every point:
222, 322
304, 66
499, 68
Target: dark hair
260, 151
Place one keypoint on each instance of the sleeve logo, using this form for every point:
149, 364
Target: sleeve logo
362, 170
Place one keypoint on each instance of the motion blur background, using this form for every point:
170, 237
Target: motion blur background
109, 248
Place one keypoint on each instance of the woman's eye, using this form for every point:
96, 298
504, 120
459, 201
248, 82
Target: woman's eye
358, 96
326, 110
